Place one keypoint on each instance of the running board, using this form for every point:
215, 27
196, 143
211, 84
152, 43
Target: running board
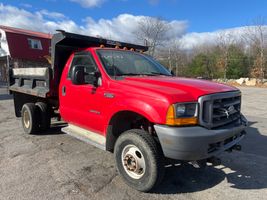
87, 136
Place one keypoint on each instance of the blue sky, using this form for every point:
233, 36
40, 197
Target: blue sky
202, 16
192, 21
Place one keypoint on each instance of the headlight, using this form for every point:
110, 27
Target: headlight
182, 114
186, 110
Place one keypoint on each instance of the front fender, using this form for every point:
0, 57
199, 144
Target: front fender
155, 114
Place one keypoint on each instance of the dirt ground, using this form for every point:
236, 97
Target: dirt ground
57, 166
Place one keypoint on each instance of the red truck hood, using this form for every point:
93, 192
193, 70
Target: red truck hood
175, 88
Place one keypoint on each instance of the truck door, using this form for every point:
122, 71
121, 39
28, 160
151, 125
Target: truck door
80, 104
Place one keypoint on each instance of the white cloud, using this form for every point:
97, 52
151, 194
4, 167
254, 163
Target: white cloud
38, 21
123, 27
191, 40
89, 3
52, 15
120, 28
26, 5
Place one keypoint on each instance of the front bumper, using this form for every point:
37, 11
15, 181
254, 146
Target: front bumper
196, 142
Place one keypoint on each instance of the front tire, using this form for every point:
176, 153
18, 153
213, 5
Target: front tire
139, 160
30, 118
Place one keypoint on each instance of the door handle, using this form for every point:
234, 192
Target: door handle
63, 90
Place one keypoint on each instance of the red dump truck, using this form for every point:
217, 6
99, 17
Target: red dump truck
114, 96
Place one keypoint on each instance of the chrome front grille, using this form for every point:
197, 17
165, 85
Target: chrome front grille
219, 109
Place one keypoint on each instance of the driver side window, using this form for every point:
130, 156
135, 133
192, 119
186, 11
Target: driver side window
85, 60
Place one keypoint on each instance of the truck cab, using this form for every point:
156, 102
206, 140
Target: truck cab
115, 97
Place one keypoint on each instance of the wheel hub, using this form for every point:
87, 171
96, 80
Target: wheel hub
130, 163
133, 161
26, 119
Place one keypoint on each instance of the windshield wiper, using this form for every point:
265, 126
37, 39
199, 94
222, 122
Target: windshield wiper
128, 74
143, 74
158, 73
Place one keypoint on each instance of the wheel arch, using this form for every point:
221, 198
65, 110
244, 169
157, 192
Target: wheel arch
122, 121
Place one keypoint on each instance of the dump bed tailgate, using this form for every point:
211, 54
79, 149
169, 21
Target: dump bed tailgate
32, 81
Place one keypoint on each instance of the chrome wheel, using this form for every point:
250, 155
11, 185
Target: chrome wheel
133, 161
30, 118
26, 119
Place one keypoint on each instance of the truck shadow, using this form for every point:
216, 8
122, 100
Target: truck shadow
55, 129
241, 170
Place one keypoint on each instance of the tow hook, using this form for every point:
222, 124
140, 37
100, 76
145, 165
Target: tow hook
203, 163
214, 161
236, 147
199, 163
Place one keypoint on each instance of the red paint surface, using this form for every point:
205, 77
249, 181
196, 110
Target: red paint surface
148, 96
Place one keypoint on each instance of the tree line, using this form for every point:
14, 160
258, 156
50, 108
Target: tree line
230, 56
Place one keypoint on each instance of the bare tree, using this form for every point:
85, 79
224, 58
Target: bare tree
153, 31
256, 36
224, 41
176, 56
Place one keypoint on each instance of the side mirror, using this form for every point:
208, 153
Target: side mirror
97, 79
78, 75
92, 78
172, 72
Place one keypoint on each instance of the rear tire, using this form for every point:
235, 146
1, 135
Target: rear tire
45, 115
139, 160
30, 118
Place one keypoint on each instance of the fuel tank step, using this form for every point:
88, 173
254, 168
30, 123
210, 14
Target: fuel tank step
87, 136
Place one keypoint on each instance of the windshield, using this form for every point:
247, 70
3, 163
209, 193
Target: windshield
126, 63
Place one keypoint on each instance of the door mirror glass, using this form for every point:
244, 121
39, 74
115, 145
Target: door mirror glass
78, 75
92, 78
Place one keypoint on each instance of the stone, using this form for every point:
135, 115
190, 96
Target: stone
241, 81
251, 82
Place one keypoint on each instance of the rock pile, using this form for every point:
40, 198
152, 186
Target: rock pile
244, 81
